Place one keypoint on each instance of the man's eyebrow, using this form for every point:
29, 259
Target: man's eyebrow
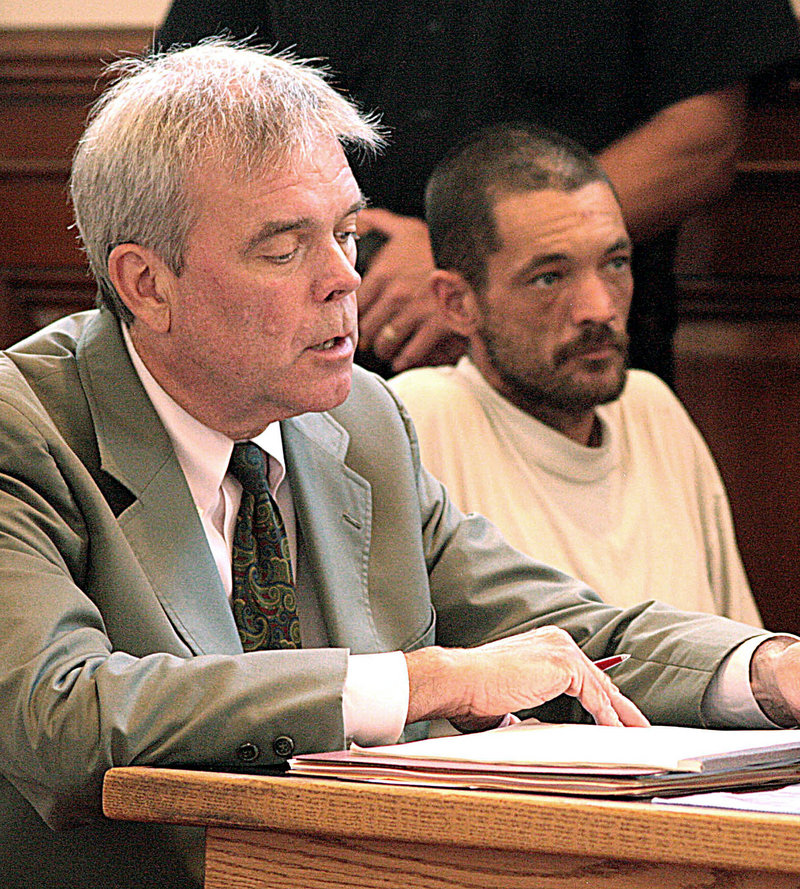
542, 259
279, 226
535, 262
360, 204
623, 243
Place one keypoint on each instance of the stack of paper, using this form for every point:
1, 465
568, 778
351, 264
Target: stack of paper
575, 759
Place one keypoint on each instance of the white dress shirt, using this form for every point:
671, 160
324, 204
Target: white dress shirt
375, 695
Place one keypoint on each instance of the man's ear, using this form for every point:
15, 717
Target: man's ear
144, 283
456, 301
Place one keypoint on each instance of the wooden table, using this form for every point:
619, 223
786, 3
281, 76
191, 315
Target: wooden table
299, 832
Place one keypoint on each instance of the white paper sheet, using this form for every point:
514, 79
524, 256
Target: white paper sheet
672, 748
782, 801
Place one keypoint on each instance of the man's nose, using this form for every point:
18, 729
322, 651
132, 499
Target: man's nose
338, 277
593, 300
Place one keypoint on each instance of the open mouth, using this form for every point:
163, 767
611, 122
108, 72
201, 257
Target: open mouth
328, 344
334, 344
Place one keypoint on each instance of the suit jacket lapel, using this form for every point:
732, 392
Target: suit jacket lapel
162, 526
333, 508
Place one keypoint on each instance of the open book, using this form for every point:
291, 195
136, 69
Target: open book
577, 759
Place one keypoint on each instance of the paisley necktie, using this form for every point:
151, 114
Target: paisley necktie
264, 605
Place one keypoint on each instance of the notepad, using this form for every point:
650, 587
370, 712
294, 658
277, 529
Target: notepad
586, 759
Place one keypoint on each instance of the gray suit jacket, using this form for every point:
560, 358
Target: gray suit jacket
117, 644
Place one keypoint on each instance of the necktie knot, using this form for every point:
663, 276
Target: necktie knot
250, 467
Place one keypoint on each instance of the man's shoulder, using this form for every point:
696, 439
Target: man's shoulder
40, 382
370, 429
58, 339
644, 390
431, 387
648, 406
369, 387
370, 406
48, 354
48, 351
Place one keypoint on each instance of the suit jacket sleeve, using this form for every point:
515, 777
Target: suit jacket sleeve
99, 667
481, 589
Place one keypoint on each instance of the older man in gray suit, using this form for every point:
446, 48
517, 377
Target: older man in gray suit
217, 544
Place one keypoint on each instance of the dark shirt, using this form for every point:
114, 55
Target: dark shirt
436, 71
593, 69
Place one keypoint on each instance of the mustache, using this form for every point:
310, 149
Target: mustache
591, 337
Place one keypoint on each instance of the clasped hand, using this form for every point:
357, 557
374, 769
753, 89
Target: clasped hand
398, 316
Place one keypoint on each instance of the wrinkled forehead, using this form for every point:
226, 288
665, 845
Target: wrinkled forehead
311, 164
550, 213
317, 192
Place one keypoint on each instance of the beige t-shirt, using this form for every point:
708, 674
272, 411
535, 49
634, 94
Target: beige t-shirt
643, 516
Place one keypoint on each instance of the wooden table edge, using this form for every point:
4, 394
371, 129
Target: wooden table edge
633, 831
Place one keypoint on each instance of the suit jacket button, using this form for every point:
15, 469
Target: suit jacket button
248, 752
283, 746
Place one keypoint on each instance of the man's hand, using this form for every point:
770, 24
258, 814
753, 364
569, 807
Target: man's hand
472, 687
398, 316
775, 679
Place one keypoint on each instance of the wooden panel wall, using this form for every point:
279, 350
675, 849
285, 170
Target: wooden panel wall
738, 344
48, 80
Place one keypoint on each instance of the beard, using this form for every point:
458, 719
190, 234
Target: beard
552, 386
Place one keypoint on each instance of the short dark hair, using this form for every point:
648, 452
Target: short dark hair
492, 163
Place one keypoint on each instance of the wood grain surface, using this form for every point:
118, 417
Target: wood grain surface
343, 834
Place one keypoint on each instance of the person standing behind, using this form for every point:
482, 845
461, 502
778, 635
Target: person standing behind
657, 90
581, 463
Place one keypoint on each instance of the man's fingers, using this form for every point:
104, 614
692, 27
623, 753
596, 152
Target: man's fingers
395, 321
600, 697
402, 265
390, 339
512, 674
374, 315
627, 711
606, 702
430, 344
387, 326
370, 289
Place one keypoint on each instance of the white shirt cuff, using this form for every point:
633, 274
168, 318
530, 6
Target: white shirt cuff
375, 698
729, 701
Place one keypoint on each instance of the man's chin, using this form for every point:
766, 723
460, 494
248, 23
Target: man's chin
589, 389
335, 395
611, 388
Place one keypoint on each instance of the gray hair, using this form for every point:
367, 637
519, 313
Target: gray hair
167, 114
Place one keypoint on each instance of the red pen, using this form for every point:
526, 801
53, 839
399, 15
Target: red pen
606, 663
